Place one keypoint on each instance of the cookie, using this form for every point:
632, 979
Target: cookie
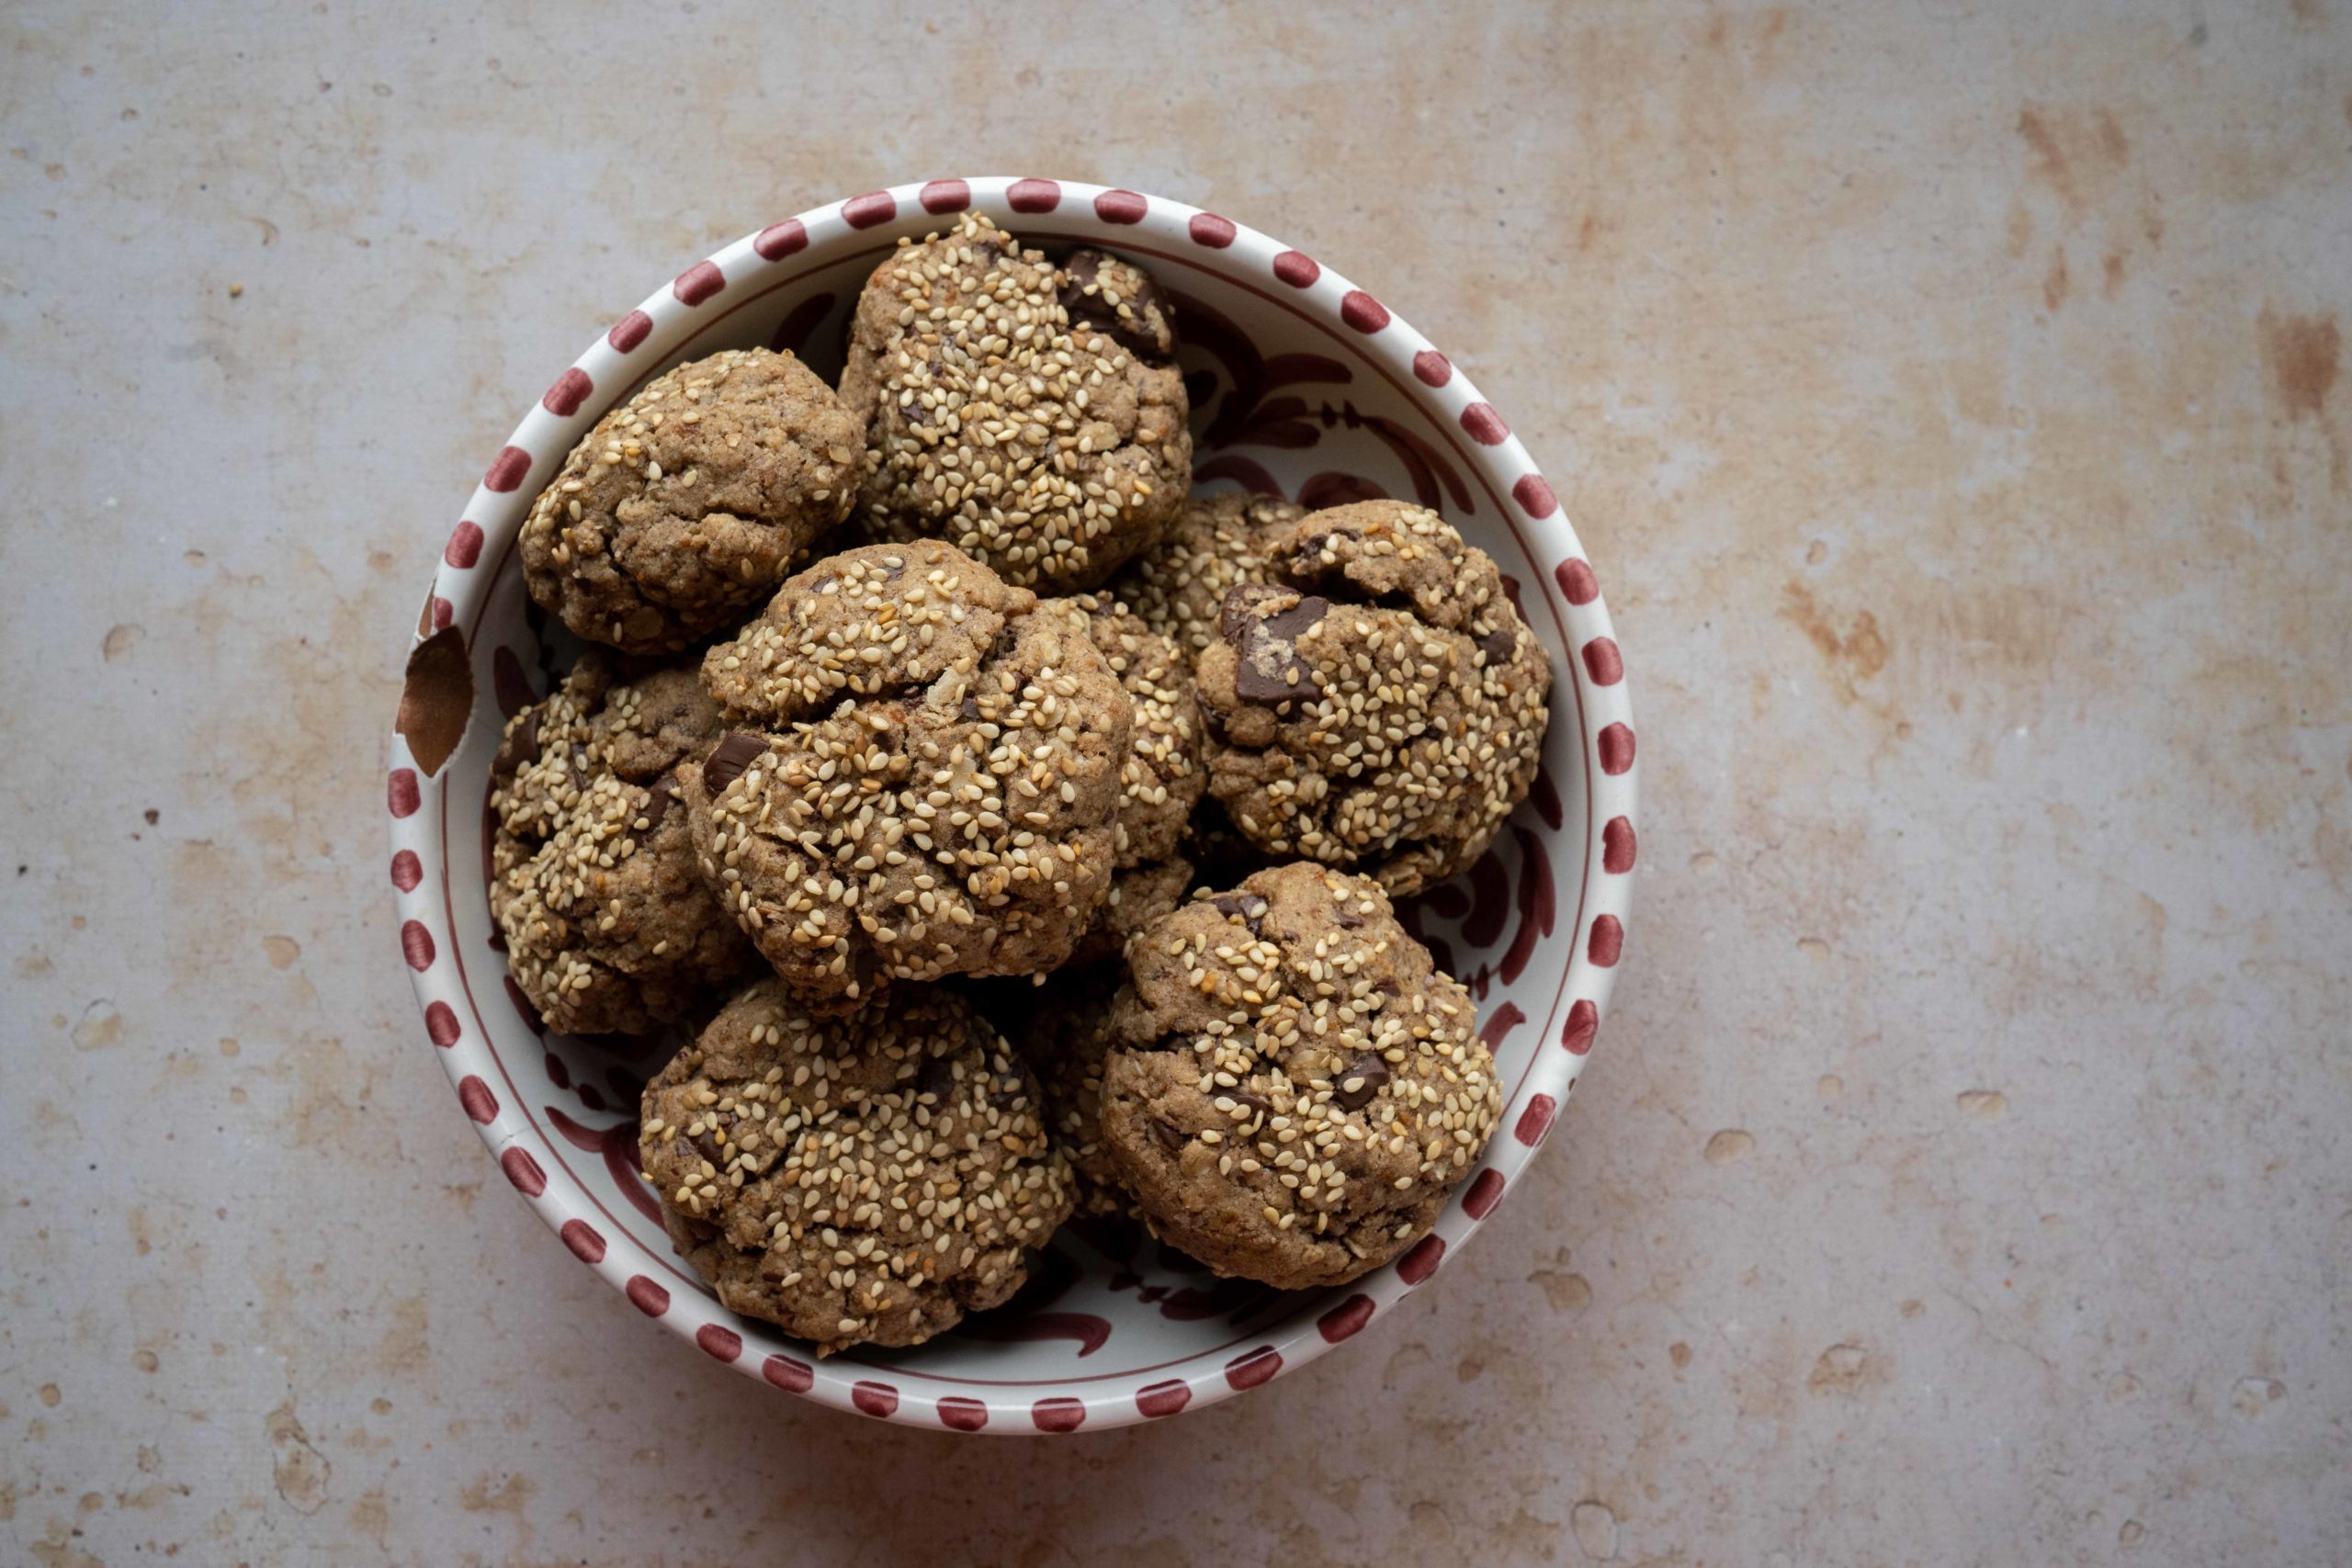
1139, 894
1215, 544
685, 506
1374, 700
921, 777
609, 925
1292, 1088
1162, 777
1030, 414
865, 1180
1061, 1032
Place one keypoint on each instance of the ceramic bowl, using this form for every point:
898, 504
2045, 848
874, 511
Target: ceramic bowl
1302, 383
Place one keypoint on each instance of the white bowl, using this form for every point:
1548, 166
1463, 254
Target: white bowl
1302, 383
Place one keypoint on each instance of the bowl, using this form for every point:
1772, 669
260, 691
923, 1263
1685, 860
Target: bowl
1302, 383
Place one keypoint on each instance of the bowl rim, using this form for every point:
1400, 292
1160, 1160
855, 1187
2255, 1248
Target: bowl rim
1138, 223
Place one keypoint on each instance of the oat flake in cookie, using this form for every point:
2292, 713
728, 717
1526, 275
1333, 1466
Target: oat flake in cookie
865, 1180
685, 506
1292, 1087
921, 777
1374, 699
1028, 413
609, 925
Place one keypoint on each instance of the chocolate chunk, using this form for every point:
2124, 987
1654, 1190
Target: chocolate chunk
970, 710
1090, 311
1348, 919
709, 1140
658, 801
1248, 906
1007, 1090
1497, 645
577, 765
1170, 1135
1353, 1090
1269, 672
938, 1078
737, 750
1255, 1102
521, 745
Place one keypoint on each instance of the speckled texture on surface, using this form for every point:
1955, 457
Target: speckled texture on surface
1954, 405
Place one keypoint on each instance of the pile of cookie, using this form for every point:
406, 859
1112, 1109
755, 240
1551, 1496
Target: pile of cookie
1016, 831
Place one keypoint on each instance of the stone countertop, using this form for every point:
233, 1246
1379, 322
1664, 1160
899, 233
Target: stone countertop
1953, 400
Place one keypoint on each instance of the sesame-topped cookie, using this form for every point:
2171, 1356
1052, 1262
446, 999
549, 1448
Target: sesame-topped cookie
608, 924
1292, 1087
1215, 544
1374, 699
1162, 777
1161, 781
1062, 1033
1030, 414
921, 777
864, 1179
687, 505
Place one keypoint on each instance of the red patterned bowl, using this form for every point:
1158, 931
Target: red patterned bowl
1303, 384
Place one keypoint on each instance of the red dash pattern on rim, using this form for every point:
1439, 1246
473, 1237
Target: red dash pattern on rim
1121, 207
407, 871
1296, 268
719, 1343
1361, 311
1254, 1367
1617, 846
464, 548
1533, 494
698, 283
1608, 941
1616, 743
1577, 582
647, 1296
441, 1024
1421, 1261
1536, 1121
585, 1244
1485, 425
401, 793
571, 390
1603, 662
507, 471
793, 1377
1164, 1398
876, 1399
1058, 1414
1345, 1320
1484, 1194
480, 1103
960, 1415
524, 1172
945, 196
1208, 229
1584, 1022
629, 330
416, 945
778, 240
1033, 196
1432, 368
865, 211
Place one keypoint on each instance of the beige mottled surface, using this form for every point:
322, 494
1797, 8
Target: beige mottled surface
1955, 401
